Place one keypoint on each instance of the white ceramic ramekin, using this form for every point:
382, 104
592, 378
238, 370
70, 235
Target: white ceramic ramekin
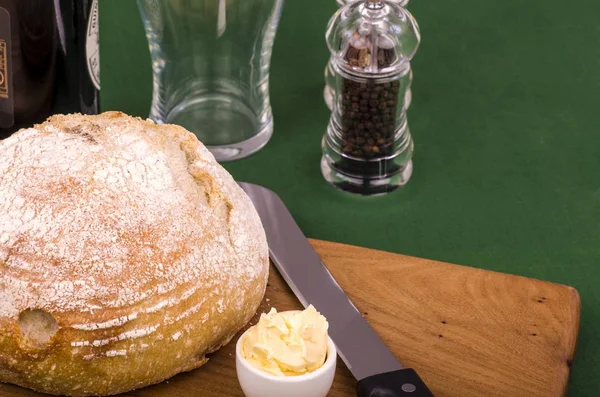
257, 383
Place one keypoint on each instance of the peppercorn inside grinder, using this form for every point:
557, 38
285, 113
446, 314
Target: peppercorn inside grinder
367, 148
329, 90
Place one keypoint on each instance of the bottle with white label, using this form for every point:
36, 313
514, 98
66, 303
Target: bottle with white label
49, 60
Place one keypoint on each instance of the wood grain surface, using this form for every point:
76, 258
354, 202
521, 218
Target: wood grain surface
468, 332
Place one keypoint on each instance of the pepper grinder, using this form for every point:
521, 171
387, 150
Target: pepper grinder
367, 148
329, 91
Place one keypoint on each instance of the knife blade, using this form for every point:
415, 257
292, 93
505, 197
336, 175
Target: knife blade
378, 371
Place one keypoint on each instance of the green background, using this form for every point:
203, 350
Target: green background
505, 118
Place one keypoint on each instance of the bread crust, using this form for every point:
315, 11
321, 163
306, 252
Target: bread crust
127, 253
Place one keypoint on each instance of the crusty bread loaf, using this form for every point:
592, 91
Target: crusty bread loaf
127, 253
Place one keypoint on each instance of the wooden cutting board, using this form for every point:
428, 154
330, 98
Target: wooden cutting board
468, 332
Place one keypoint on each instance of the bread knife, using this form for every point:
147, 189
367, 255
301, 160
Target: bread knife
378, 371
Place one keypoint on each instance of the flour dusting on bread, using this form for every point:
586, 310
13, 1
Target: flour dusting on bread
125, 232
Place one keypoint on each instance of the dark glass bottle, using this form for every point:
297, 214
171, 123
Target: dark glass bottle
49, 60
79, 78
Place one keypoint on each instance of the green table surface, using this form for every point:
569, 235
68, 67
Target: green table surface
506, 123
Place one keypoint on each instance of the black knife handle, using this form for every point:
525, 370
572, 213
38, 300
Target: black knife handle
402, 383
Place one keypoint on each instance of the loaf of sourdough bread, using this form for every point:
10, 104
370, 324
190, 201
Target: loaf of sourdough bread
127, 253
